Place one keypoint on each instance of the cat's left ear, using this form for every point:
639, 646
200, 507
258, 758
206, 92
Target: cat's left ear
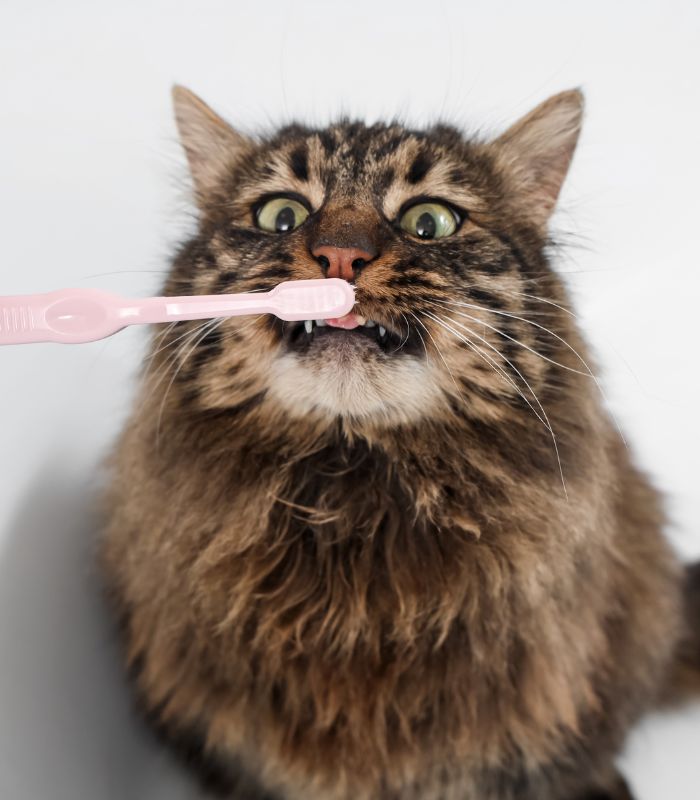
210, 143
536, 152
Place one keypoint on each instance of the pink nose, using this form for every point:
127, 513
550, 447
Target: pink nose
340, 262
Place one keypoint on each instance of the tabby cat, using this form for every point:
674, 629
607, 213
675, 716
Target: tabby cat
403, 554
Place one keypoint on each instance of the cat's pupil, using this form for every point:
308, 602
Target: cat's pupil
285, 219
425, 226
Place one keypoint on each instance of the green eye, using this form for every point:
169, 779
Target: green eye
281, 214
429, 221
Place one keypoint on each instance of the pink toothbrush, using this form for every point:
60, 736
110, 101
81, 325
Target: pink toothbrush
72, 316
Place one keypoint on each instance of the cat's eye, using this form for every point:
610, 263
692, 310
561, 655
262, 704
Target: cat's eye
429, 221
281, 214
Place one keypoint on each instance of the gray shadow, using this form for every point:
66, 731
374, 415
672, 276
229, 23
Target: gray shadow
67, 726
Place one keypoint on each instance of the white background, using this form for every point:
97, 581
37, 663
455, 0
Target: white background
92, 194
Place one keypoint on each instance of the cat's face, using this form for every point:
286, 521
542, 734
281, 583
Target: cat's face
441, 237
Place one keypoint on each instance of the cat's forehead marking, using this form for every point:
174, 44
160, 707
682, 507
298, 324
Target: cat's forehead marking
420, 166
293, 167
385, 166
423, 169
299, 161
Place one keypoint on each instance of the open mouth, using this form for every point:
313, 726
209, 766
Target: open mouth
365, 333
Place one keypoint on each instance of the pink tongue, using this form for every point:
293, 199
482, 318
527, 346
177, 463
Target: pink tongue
349, 321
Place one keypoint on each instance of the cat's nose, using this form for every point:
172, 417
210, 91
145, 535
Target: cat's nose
342, 262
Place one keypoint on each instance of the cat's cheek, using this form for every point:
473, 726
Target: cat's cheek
399, 392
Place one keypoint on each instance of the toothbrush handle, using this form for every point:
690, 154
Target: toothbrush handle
72, 316
68, 315
172, 309
20, 320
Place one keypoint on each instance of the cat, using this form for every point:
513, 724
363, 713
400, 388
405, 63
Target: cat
404, 554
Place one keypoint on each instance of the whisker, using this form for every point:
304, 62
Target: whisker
205, 329
420, 335
249, 324
420, 322
162, 372
545, 300
163, 334
589, 372
544, 421
514, 293
491, 362
408, 333
463, 291
189, 332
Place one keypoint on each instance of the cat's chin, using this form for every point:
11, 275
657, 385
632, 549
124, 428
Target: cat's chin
349, 376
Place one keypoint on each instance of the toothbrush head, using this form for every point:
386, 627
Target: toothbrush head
324, 298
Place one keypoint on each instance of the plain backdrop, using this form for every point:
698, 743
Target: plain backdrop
93, 193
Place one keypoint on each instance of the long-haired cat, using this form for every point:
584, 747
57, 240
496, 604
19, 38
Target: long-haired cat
402, 555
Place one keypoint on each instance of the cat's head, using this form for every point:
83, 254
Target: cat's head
443, 238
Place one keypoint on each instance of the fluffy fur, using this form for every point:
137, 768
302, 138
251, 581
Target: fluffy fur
426, 571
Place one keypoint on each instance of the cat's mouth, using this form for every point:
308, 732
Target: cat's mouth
353, 331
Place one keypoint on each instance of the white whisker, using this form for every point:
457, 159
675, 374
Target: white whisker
589, 372
420, 335
544, 421
205, 330
408, 332
491, 362
439, 352
162, 372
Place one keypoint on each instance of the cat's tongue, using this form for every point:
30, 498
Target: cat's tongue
348, 321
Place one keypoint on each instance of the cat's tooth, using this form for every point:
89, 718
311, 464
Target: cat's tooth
370, 323
321, 323
360, 320
309, 325
382, 331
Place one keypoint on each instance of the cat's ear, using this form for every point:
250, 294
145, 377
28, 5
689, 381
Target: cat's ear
537, 151
210, 143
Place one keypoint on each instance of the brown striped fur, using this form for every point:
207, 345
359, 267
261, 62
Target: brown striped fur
346, 574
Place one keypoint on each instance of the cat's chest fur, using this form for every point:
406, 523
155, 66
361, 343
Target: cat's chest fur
358, 605
358, 612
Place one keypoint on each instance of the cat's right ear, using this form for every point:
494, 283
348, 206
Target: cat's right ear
538, 149
210, 143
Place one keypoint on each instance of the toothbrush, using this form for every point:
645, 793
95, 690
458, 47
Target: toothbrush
72, 316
